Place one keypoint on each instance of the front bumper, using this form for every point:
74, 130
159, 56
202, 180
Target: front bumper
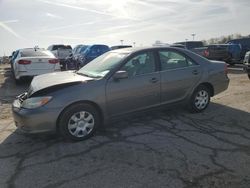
34, 120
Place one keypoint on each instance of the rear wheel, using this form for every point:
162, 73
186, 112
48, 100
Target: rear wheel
79, 122
200, 99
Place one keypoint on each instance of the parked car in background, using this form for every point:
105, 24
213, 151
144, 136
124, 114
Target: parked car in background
71, 63
116, 83
190, 44
244, 43
76, 48
230, 53
235, 52
178, 46
120, 46
91, 52
33, 61
77, 55
214, 52
61, 52
246, 63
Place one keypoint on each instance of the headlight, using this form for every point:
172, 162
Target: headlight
35, 102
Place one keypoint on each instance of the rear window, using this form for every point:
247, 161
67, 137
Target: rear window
34, 53
56, 47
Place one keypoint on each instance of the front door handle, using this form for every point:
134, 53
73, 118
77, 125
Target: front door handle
153, 80
195, 72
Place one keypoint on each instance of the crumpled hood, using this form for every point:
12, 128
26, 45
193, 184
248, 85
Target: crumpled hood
53, 79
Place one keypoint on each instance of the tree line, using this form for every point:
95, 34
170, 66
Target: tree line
224, 39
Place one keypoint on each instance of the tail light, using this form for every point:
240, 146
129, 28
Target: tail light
53, 61
24, 62
225, 68
206, 53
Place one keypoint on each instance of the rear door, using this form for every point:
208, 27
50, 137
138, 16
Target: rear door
179, 74
140, 90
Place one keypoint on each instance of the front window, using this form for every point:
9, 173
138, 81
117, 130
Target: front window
143, 63
102, 65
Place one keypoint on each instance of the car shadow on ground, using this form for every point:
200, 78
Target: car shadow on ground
231, 118
189, 148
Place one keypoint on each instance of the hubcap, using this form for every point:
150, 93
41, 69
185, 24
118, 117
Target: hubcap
201, 99
81, 124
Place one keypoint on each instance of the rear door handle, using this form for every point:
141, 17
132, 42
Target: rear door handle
153, 80
195, 72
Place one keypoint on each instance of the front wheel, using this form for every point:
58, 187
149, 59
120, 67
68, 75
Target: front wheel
200, 99
79, 122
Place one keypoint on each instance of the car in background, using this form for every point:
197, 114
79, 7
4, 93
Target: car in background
178, 46
91, 52
80, 50
76, 48
230, 53
214, 52
32, 62
246, 63
244, 43
190, 44
76, 103
120, 46
61, 52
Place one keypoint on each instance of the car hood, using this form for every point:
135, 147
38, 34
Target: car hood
55, 79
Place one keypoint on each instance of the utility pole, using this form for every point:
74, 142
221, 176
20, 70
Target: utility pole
193, 35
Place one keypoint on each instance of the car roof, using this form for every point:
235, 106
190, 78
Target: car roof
32, 49
138, 49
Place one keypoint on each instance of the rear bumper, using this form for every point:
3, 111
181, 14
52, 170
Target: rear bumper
34, 73
221, 86
34, 120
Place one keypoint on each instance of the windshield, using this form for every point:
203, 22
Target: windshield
102, 65
35, 53
83, 48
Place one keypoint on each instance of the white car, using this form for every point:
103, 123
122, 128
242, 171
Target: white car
33, 61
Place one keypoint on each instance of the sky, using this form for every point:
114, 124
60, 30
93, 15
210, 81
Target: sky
28, 23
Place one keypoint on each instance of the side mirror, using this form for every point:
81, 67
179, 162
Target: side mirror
120, 75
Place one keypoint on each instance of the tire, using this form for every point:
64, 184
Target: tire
79, 122
200, 99
248, 76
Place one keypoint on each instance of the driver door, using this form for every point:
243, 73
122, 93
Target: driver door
140, 90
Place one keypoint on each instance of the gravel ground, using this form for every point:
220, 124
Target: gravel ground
161, 148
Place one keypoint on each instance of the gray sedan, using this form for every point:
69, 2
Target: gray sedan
116, 83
